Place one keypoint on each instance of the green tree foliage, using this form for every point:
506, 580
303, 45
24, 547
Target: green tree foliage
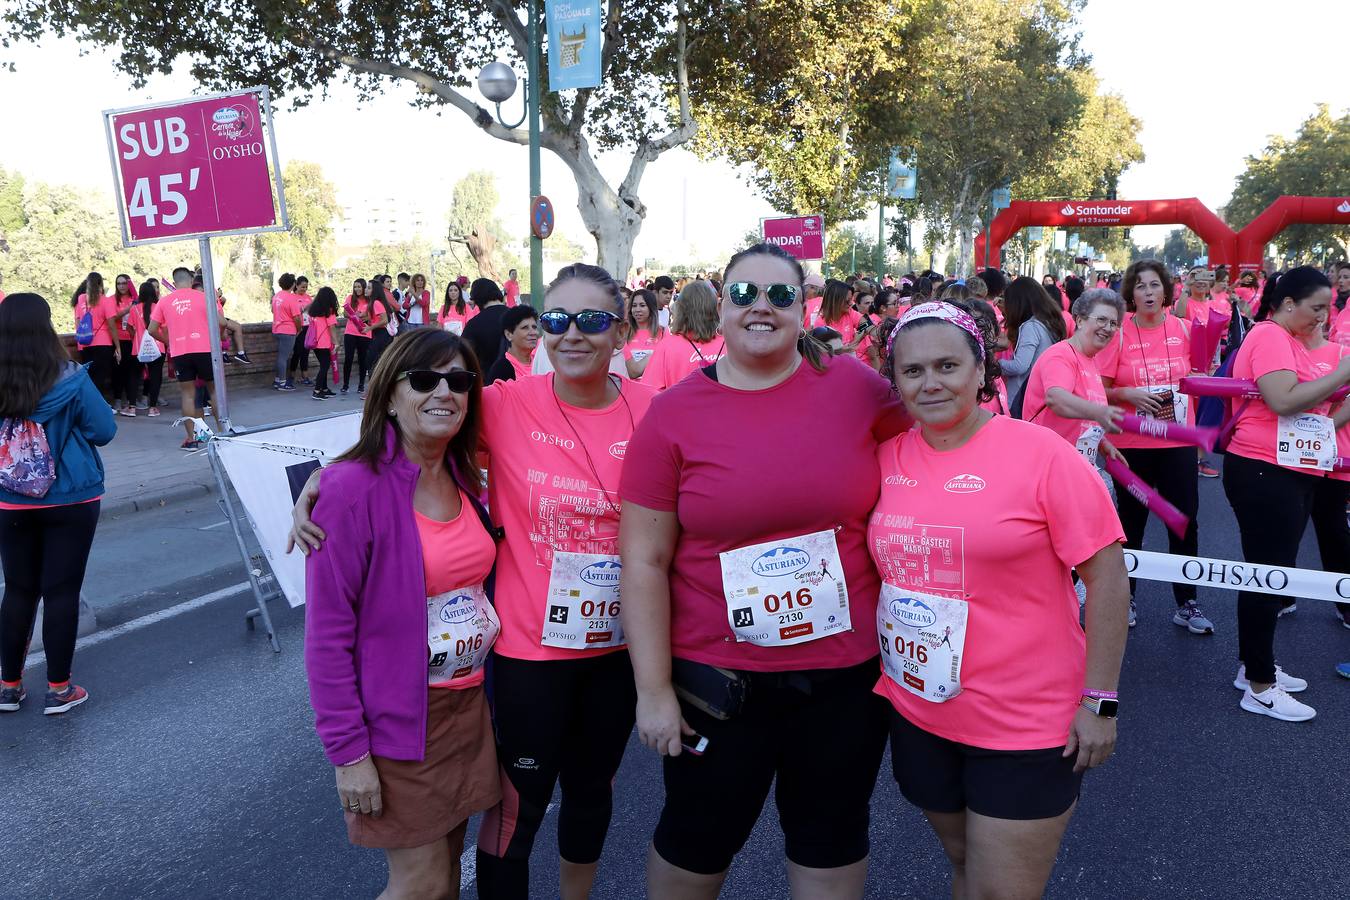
313, 209
299, 47
473, 222
12, 216
1314, 164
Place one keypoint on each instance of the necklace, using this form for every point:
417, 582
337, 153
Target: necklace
590, 463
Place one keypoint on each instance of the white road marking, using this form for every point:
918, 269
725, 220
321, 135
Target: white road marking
145, 621
216, 525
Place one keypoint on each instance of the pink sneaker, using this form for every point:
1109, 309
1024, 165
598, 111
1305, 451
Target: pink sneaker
128, 411
154, 411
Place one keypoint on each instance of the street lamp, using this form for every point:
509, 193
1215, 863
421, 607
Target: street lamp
497, 82
435, 254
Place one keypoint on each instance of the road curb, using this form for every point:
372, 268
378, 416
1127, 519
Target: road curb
155, 500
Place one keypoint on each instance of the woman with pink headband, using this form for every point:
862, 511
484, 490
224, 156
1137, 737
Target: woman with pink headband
1000, 700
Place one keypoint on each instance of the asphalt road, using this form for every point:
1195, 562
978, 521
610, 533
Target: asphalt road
194, 771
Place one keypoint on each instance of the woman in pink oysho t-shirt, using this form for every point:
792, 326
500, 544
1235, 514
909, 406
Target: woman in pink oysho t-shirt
748, 592
644, 332
1283, 445
1332, 495
1000, 699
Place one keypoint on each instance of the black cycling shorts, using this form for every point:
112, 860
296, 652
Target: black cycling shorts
938, 775
821, 733
191, 366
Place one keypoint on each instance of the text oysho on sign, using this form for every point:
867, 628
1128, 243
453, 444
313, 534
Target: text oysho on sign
193, 167
801, 236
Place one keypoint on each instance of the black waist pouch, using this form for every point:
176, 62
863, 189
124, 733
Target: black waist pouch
718, 692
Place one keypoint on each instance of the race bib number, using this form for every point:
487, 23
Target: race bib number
923, 641
640, 355
1306, 441
462, 626
583, 602
1090, 440
454, 327
789, 591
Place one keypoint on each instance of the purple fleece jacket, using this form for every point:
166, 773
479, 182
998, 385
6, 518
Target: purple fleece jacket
366, 612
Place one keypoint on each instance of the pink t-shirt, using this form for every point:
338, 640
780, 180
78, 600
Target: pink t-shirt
512, 291
1247, 296
285, 307
1340, 328
553, 484
739, 468
1325, 359
1268, 348
999, 405
123, 304
1063, 366
1151, 358
675, 356
355, 326
642, 344
322, 326
455, 554
136, 320
455, 321
962, 524
104, 309
183, 313
846, 325
1198, 310
522, 369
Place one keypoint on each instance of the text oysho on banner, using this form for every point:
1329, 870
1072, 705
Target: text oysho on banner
194, 168
574, 43
1235, 575
801, 236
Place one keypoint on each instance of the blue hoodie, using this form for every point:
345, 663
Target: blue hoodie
77, 419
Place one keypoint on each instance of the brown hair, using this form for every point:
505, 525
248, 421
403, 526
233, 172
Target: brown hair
420, 348
1025, 299
32, 356
1132, 279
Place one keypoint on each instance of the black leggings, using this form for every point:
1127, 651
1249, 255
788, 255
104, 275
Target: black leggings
1331, 528
324, 358
102, 365
1272, 505
155, 380
379, 340
44, 553
299, 354
354, 345
1172, 472
557, 721
126, 378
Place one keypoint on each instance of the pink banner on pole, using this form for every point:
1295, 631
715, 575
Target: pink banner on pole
1170, 431
192, 168
802, 236
1173, 518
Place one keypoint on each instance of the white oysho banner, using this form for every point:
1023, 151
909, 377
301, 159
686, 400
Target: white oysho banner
1235, 575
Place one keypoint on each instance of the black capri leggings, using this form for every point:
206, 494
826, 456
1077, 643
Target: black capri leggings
299, 353
354, 346
558, 721
1172, 472
820, 733
1331, 528
102, 367
44, 553
126, 379
1272, 505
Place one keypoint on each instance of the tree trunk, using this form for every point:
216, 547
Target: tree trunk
612, 222
963, 220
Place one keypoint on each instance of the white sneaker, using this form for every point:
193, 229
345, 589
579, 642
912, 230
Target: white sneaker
1289, 683
1275, 702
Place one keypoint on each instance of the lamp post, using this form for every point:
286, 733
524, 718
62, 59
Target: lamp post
435, 255
497, 82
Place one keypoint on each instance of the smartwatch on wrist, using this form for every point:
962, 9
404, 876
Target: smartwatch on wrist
1101, 703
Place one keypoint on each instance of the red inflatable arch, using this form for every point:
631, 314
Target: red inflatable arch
1286, 211
1221, 240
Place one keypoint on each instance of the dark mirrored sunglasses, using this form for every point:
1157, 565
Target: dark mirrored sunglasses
589, 321
424, 381
744, 293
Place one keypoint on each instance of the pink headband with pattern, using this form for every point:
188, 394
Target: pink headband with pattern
936, 309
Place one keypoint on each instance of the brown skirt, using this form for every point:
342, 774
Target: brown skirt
427, 800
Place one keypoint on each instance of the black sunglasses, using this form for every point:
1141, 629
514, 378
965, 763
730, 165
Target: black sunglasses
424, 381
744, 293
589, 321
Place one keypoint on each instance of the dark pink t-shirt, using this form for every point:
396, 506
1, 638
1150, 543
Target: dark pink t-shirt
744, 467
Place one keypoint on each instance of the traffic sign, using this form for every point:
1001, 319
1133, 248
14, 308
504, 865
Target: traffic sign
541, 217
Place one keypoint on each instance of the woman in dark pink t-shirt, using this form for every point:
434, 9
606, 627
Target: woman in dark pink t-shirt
747, 591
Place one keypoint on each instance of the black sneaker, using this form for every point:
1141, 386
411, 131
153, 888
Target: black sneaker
344, 389
242, 357
63, 701
11, 698
317, 395
328, 393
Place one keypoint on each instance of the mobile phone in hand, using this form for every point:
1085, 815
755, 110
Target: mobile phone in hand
694, 743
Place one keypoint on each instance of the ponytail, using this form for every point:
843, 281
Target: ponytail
1297, 284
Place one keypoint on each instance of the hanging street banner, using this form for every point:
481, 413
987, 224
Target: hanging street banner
196, 168
1035, 233
902, 176
801, 236
574, 43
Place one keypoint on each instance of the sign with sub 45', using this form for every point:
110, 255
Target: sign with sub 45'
195, 168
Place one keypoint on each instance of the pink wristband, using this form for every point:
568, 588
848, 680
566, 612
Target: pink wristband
1101, 695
